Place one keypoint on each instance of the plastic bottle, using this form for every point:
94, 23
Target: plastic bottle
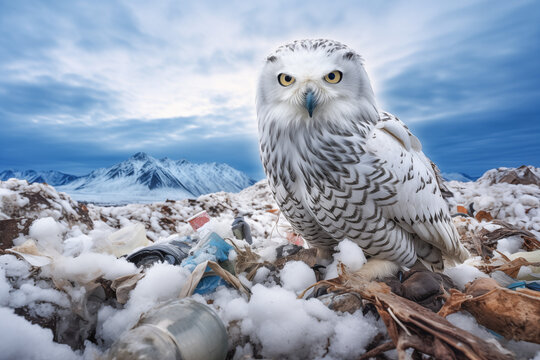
179, 329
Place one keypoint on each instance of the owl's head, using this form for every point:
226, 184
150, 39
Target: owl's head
314, 80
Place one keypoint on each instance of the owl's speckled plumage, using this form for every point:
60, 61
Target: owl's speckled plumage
349, 171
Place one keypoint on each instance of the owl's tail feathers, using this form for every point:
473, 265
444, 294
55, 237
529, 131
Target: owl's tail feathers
435, 259
459, 256
429, 256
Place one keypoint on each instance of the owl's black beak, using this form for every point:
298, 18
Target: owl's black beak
310, 102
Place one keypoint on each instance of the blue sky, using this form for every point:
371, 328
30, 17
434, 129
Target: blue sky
87, 84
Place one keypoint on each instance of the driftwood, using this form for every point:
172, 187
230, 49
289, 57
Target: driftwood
378, 350
513, 314
509, 267
413, 326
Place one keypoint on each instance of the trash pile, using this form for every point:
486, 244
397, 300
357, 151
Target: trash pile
225, 277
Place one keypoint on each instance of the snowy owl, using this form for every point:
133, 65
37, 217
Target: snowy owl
341, 169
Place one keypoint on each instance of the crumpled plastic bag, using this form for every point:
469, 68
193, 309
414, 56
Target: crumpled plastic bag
125, 240
216, 250
172, 252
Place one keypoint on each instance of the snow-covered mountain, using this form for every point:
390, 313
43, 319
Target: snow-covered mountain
142, 178
458, 176
51, 177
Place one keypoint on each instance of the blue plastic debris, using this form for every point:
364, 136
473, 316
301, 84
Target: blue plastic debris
533, 285
215, 249
517, 285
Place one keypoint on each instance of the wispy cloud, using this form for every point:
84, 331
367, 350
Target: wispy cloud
122, 76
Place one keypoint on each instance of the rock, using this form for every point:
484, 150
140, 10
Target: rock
10, 229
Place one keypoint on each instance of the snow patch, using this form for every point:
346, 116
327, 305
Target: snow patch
297, 276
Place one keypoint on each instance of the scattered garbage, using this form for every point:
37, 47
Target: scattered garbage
125, 240
214, 275
88, 297
123, 285
295, 238
198, 220
178, 329
210, 247
80, 325
519, 266
172, 252
241, 230
30, 252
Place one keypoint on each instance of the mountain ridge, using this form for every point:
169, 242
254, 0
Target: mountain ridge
142, 176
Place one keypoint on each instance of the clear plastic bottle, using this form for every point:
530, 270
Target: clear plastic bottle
179, 329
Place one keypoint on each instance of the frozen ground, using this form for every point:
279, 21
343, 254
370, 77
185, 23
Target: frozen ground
73, 254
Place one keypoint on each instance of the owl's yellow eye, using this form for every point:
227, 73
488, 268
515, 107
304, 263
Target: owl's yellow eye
285, 80
334, 77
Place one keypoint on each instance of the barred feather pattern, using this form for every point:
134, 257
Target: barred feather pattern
366, 180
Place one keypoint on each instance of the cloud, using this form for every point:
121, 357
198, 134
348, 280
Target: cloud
476, 143
123, 76
49, 100
485, 68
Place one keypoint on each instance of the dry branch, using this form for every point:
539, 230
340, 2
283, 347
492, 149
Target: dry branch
429, 332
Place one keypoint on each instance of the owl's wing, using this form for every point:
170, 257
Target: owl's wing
418, 206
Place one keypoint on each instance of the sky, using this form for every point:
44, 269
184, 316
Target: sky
87, 84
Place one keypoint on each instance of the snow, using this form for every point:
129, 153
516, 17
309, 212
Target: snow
463, 274
141, 179
349, 254
298, 329
47, 233
272, 323
90, 266
4, 288
297, 276
144, 179
23, 340
161, 282
510, 245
